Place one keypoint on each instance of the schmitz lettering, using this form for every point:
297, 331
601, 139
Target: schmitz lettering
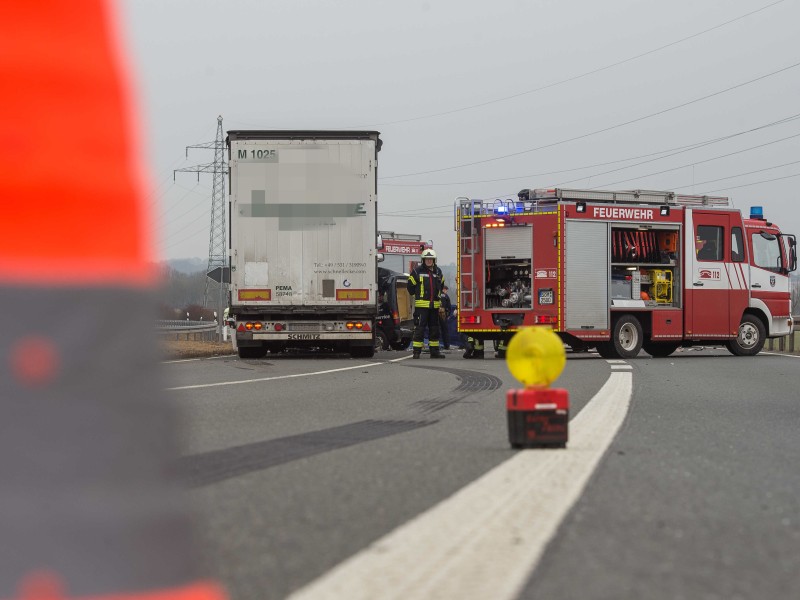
304, 336
608, 212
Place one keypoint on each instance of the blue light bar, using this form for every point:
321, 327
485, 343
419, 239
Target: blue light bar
757, 212
501, 210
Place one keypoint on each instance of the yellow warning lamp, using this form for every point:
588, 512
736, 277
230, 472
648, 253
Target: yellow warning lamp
538, 416
536, 357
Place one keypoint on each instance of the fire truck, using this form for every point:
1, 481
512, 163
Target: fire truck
623, 270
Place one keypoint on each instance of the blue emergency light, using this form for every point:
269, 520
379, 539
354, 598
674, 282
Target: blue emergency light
502, 209
757, 212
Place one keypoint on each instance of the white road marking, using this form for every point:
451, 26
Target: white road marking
621, 368
485, 540
781, 354
183, 360
220, 383
613, 361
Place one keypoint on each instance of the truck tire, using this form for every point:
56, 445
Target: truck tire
660, 349
362, 351
381, 343
627, 336
751, 337
251, 351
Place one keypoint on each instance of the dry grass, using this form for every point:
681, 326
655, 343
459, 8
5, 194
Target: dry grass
177, 349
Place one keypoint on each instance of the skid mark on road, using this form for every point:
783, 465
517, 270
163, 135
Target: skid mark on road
470, 384
212, 467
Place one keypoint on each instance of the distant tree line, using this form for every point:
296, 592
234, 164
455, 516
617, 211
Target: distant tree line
181, 294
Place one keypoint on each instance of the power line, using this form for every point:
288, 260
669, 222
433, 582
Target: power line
202, 230
603, 130
794, 162
442, 216
417, 210
569, 79
698, 162
674, 151
734, 187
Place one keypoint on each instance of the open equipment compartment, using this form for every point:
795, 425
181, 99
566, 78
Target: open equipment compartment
645, 266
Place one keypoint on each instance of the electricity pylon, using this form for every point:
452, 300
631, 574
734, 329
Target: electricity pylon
217, 248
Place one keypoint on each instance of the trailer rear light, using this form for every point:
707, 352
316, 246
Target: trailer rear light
248, 326
240, 327
470, 319
258, 326
278, 326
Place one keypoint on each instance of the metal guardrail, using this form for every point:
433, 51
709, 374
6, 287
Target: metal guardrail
206, 330
787, 343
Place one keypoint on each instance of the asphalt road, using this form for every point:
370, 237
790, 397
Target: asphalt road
306, 470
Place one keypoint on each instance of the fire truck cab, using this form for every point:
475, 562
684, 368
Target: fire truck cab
623, 270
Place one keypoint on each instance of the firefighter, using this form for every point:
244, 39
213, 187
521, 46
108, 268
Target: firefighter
474, 348
501, 348
425, 282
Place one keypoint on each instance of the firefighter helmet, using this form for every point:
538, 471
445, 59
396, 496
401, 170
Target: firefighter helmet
428, 253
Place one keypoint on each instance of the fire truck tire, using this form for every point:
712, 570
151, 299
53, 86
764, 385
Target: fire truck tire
751, 338
660, 349
627, 336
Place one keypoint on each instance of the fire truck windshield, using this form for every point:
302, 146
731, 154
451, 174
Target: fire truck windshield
767, 251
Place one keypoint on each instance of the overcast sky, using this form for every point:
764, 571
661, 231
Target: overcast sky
479, 99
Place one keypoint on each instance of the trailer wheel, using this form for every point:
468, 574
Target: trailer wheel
362, 351
251, 351
627, 336
660, 349
751, 338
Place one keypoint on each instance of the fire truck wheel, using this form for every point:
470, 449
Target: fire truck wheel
751, 338
660, 349
627, 336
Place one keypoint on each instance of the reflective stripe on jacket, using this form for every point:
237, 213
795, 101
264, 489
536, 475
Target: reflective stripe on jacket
426, 285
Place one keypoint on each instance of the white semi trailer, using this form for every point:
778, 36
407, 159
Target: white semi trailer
303, 230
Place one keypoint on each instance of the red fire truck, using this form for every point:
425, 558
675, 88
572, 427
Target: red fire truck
623, 270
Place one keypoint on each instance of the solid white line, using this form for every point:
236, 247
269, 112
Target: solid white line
207, 385
486, 539
181, 360
401, 358
612, 361
781, 354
